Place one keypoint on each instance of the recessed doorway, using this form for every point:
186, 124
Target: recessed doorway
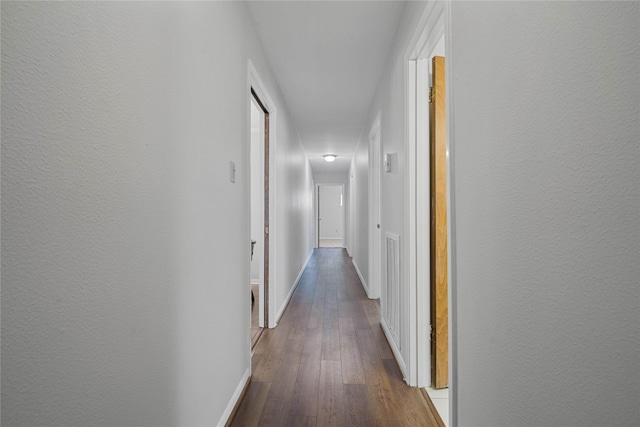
429, 227
330, 216
259, 179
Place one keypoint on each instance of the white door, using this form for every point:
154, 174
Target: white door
330, 216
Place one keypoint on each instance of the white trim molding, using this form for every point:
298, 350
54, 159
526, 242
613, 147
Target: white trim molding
394, 348
235, 397
293, 289
362, 281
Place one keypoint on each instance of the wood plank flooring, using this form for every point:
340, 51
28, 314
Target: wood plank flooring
327, 363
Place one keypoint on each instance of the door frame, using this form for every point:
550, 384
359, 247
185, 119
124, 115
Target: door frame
351, 188
255, 85
432, 26
317, 210
375, 209
263, 302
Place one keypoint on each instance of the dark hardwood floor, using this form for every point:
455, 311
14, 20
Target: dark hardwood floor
328, 363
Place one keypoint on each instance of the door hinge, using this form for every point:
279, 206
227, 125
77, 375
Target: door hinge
432, 333
266, 231
432, 94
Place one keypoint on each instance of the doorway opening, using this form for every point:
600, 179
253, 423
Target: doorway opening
375, 216
432, 202
432, 325
331, 215
259, 206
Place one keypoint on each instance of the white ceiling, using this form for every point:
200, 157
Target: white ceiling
328, 57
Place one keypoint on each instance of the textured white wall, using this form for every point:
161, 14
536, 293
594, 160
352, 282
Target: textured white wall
546, 104
125, 256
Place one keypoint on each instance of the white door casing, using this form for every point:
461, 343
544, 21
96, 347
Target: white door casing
255, 82
375, 220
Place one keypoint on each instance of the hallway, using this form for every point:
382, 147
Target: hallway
126, 212
328, 362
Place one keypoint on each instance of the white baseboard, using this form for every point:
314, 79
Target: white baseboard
234, 399
394, 349
290, 294
362, 282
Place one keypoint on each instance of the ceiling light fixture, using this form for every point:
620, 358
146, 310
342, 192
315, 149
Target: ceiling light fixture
330, 157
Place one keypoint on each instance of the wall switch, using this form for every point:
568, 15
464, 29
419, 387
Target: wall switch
232, 172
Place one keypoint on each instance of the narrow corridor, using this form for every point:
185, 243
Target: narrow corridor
328, 362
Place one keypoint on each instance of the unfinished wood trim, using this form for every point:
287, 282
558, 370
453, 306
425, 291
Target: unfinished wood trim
439, 253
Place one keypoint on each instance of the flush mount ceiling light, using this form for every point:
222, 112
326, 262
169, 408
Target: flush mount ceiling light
330, 157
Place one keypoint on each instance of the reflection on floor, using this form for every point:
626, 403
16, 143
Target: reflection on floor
331, 243
254, 314
440, 399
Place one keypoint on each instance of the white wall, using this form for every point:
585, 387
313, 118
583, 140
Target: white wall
125, 253
330, 178
294, 210
546, 104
